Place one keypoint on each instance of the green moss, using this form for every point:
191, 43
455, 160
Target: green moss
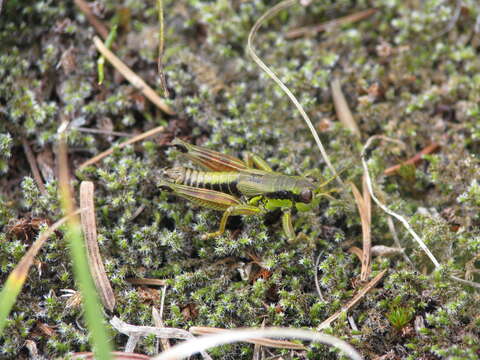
429, 92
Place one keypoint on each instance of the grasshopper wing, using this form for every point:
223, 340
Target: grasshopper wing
209, 159
212, 199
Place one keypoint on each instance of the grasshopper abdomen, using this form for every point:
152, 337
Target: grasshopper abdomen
225, 182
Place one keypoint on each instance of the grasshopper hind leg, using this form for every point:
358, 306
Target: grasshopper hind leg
232, 211
254, 160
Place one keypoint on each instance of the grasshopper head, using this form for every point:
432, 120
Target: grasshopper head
306, 196
305, 191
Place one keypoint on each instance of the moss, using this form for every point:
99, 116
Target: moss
428, 92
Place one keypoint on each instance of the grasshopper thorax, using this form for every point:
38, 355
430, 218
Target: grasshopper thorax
295, 188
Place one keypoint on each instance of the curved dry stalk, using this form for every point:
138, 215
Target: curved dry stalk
251, 37
400, 218
193, 346
386, 209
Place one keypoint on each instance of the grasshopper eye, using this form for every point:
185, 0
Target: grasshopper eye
306, 196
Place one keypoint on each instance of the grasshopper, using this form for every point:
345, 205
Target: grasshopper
237, 187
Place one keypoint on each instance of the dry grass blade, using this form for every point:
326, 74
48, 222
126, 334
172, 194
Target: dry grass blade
98, 334
415, 160
352, 302
134, 330
279, 344
134, 139
386, 251
357, 252
33, 165
161, 46
100, 28
104, 132
133, 78
341, 108
89, 228
367, 199
317, 284
311, 30
21, 270
158, 322
365, 217
162, 333
146, 281
158, 319
117, 355
16, 279
377, 250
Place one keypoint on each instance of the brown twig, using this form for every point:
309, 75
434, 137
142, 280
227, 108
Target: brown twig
279, 344
414, 160
117, 355
100, 28
103, 132
342, 109
140, 137
352, 302
145, 281
33, 166
133, 78
377, 250
89, 227
311, 30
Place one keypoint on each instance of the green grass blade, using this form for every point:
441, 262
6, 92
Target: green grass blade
91, 303
81, 271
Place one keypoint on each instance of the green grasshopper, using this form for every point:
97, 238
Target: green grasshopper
237, 187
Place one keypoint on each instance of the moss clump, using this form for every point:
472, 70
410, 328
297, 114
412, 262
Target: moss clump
403, 77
